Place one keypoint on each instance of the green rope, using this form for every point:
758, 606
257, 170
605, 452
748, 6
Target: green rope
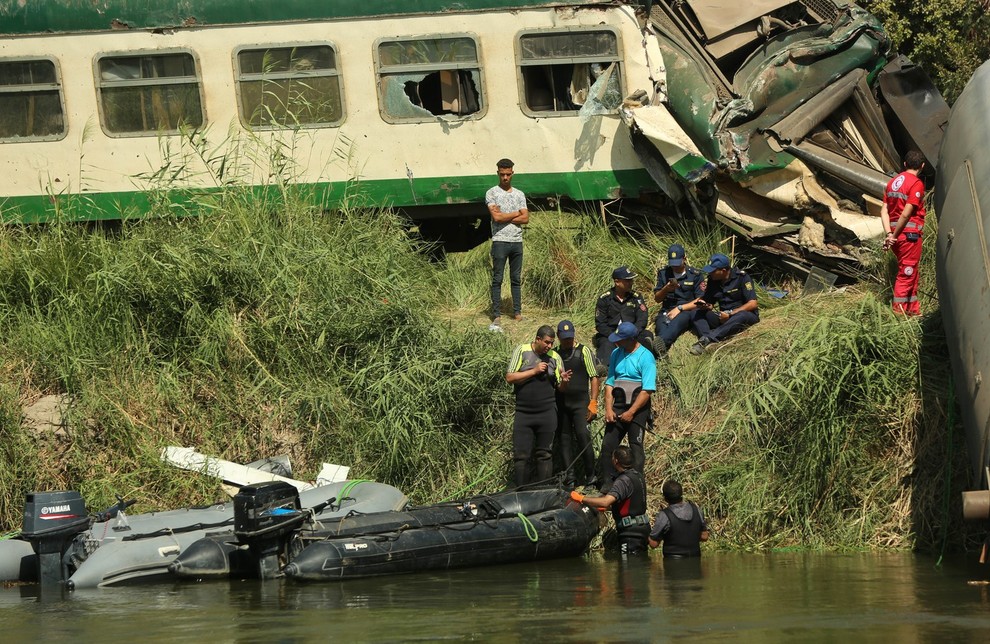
346, 490
950, 421
530, 528
470, 485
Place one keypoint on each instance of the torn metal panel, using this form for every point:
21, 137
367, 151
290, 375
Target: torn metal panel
677, 149
919, 108
780, 102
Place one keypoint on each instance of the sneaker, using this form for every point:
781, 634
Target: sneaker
517, 317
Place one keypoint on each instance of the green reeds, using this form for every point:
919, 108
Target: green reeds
245, 333
283, 329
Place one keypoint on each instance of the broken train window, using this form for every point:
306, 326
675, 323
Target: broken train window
149, 93
30, 101
421, 79
562, 71
289, 86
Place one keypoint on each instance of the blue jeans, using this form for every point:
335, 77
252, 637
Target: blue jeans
512, 251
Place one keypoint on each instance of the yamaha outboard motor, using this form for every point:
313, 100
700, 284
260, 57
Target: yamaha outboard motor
266, 516
51, 521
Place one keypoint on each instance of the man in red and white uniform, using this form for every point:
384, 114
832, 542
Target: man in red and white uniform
903, 215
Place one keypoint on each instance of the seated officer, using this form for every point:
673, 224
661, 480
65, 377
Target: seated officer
732, 291
678, 287
616, 305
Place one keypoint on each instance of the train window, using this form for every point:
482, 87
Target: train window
563, 71
289, 86
149, 93
422, 79
30, 101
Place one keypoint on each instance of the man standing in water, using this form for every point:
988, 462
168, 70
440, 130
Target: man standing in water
681, 525
627, 500
535, 373
903, 215
507, 207
575, 408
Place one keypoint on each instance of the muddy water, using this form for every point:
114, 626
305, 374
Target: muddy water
781, 597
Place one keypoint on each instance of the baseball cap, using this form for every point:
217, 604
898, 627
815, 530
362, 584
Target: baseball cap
715, 262
675, 255
626, 331
565, 329
623, 273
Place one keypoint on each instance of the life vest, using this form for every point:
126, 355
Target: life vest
629, 514
684, 537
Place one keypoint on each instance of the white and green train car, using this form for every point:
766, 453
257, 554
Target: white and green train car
767, 115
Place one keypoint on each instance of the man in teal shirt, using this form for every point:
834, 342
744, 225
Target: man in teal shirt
632, 379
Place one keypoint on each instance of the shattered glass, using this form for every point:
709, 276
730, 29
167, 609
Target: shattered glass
397, 101
604, 95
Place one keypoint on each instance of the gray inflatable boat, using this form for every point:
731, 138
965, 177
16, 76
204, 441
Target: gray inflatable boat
140, 547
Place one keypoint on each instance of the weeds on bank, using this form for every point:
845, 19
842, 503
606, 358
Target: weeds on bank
328, 336
245, 333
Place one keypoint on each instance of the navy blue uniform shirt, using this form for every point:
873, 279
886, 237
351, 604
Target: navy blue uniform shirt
736, 290
690, 286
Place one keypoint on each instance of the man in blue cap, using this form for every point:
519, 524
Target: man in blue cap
732, 291
631, 381
678, 287
575, 407
616, 305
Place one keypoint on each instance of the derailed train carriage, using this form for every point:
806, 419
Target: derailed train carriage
781, 119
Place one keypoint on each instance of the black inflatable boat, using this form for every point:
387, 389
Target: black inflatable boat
501, 528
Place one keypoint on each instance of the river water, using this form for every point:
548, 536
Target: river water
777, 597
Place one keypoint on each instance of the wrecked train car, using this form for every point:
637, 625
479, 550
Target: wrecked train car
781, 119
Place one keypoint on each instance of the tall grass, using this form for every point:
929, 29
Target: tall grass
245, 333
329, 336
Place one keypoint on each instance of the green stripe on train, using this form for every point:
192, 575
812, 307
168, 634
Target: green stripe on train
389, 193
46, 16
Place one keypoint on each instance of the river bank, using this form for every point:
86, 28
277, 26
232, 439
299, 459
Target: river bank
332, 338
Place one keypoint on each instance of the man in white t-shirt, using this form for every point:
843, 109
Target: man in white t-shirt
507, 206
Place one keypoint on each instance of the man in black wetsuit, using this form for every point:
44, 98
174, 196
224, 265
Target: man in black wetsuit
627, 500
681, 525
575, 407
535, 373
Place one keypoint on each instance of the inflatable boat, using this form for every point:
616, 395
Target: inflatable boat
87, 551
501, 528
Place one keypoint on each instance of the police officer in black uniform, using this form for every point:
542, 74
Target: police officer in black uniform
680, 526
627, 500
678, 287
616, 305
732, 291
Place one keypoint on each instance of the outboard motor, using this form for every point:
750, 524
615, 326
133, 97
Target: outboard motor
51, 521
266, 515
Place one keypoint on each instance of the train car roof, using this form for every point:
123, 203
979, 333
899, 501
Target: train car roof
21, 17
